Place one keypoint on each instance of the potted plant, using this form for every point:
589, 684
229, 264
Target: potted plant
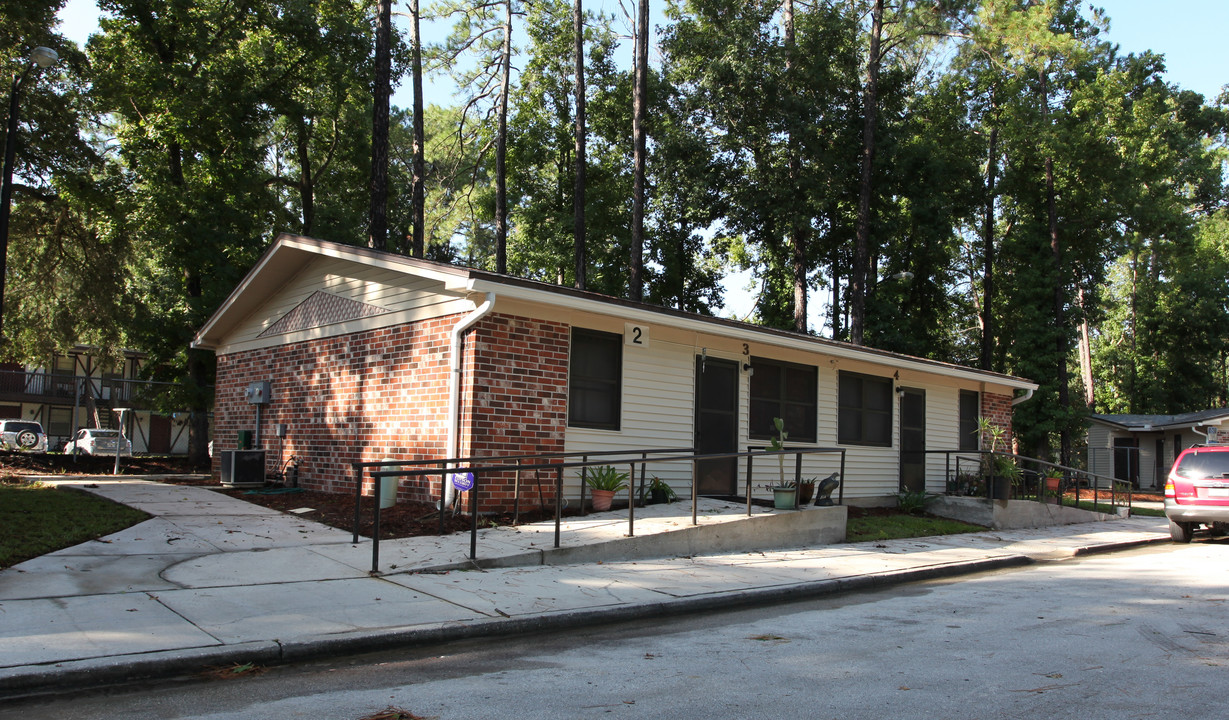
660, 491
603, 483
806, 491
1052, 482
784, 494
1005, 475
1001, 470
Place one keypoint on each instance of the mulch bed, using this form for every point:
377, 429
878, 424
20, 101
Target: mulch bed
405, 519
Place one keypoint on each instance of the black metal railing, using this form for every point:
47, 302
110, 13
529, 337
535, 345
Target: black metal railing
108, 391
1031, 483
447, 468
790, 450
500, 459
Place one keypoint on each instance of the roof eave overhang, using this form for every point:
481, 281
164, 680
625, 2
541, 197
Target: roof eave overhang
1177, 424
289, 253
286, 256
635, 312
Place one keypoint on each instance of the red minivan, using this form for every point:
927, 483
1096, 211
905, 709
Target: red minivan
1197, 491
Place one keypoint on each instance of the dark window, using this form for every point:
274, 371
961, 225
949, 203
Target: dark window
595, 380
786, 391
864, 410
970, 409
63, 376
60, 421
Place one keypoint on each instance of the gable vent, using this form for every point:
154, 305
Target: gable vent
321, 308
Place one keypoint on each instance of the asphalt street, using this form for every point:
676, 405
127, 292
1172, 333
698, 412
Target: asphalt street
1131, 634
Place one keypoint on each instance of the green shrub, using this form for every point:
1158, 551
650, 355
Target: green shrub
606, 478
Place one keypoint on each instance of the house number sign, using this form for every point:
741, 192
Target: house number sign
635, 335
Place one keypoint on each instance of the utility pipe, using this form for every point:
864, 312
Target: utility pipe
1028, 395
454, 386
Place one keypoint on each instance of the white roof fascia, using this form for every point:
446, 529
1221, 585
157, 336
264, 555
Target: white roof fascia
287, 246
248, 280
599, 307
371, 258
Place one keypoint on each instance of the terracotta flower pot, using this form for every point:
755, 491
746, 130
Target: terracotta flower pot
1051, 489
602, 499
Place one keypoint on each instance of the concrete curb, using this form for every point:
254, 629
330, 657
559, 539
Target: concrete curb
80, 675
1124, 545
74, 675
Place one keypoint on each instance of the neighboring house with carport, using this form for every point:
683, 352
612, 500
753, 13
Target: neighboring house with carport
369, 355
1142, 448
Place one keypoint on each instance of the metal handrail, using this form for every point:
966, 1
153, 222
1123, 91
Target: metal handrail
516, 488
442, 468
1069, 474
446, 469
840, 489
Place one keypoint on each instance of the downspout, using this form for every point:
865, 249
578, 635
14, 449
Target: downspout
1028, 395
454, 384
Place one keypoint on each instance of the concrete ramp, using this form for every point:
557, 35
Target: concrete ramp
1013, 514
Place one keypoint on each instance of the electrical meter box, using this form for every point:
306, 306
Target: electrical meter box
259, 393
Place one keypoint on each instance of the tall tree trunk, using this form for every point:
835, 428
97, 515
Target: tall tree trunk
418, 243
987, 240
1085, 350
501, 148
1133, 374
1060, 339
861, 254
198, 370
578, 193
377, 222
307, 192
836, 295
639, 99
797, 233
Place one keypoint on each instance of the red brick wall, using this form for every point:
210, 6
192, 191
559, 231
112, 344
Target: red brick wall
997, 409
360, 397
384, 394
516, 377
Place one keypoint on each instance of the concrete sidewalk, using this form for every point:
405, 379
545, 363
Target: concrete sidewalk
211, 581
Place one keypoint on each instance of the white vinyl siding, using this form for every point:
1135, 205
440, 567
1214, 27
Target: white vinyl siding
405, 297
658, 402
659, 412
1100, 450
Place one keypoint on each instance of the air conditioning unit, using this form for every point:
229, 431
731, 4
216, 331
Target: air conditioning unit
243, 468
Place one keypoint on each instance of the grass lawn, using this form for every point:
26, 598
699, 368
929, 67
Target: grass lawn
1150, 512
896, 526
37, 519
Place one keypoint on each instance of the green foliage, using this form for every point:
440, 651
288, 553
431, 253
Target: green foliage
661, 487
154, 167
914, 502
1162, 346
542, 151
605, 477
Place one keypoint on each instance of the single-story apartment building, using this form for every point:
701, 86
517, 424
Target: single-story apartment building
367, 355
1142, 448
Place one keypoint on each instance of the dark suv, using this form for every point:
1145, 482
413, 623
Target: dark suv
1197, 491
